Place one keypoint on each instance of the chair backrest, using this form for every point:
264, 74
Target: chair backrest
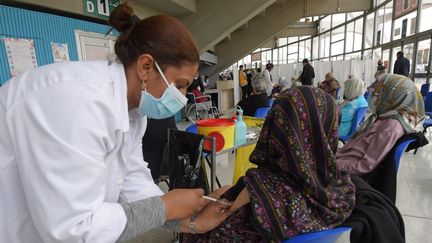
367, 95
428, 102
192, 129
400, 149
424, 90
337, 93
358, 118
271, 101
262, 112
326, 236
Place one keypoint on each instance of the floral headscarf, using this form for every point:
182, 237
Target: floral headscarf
296, 187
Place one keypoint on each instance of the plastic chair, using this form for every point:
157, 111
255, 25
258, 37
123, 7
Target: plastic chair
367, 95
428, 104
261, 112
424, 90
358, 118
400, 149
326, 236
192, 129
337, 93
271, 101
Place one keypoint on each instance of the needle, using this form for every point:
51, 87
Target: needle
216, 200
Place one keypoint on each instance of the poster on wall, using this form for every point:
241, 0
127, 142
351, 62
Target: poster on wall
256, 56
21, 55
60, 52
402, 7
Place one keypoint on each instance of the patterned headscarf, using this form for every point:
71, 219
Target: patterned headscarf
296, 187
398, 99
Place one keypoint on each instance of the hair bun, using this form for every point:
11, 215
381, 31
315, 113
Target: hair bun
121, 18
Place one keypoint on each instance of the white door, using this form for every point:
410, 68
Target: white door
94, 46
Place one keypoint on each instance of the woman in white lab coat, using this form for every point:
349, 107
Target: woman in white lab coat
71, 166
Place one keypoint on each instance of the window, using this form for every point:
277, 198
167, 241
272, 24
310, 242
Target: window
405, 26
358, 34
315, 48
409, 53
353, 15
386, 58
422, 59
325, 24
349, 37
282, 41
388, 17
293, 48
292, 39
302, 49
338, 19
275, 56
368, 37
378, 2
338, 34
377, 53
308, 44
324, 45
337, 48
425, 13
379, 28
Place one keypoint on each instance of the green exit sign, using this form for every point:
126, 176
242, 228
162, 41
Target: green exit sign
100, 8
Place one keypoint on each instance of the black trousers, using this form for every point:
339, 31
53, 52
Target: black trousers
245, 90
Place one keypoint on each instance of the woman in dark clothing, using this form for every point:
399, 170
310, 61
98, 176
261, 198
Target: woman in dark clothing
259, 97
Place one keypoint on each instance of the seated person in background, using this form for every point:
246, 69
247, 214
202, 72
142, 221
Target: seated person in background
399, 110
293, 190
330, 85
259, 97
354, 99
193, 88
378, 74
282, 85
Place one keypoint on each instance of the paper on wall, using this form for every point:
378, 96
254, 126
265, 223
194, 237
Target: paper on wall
60, 52
21, 55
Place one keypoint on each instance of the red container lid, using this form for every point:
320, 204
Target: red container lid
218, 122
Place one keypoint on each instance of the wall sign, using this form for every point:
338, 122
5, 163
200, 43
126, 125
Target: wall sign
60, 52
100, 8
402, 7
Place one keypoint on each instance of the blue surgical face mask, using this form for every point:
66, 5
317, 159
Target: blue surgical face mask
171, 101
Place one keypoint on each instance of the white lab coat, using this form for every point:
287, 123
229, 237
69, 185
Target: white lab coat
69, 153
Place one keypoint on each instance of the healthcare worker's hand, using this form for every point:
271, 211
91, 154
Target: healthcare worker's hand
181, 203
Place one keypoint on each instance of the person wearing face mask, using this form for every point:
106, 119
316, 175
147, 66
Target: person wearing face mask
71, 165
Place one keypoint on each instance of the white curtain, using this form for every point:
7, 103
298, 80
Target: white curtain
370, 70
357, 68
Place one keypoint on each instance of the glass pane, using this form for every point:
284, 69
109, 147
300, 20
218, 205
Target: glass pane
292, 39
301, 52
338, 34
353, 15
325, 45
337, 48
405, 26
307, 49
422, 59
386, 58
325, 24
304, 37
378, 2
388, 17
350, 37
409, 53
282, 41
292, 58
369, 31
275, 56
338, 19
425, 13
367, 54
379, 28
419, 81
315, 43
355, 55
393, 57
293, 48
377, 53
358, 34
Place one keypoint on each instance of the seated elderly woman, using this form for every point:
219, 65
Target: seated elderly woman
296, 187
354, 99
282, 85
259, 97
399, 110
330, 85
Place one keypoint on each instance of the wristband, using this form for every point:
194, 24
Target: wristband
192, 223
